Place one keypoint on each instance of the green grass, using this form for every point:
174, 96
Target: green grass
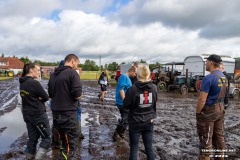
90, 75
5, 78
93, 75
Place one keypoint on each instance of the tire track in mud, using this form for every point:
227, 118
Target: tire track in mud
9, 96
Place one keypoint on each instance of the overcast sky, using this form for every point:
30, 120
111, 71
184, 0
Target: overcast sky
119, 30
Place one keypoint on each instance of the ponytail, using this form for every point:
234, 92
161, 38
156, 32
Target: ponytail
26, 68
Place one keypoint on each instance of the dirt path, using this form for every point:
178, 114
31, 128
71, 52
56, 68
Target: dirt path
175, 135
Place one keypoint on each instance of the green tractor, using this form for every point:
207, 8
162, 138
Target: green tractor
6, 73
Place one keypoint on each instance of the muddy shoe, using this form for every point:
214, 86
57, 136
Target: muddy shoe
30, 156
41, 154
81, 136
122, 135
99, 96
56, 145
116, 137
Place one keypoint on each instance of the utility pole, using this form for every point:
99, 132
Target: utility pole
100, 68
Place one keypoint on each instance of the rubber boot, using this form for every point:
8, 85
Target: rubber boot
115, 136
81, 136
30, 156
41, 153
119, 132
122, 132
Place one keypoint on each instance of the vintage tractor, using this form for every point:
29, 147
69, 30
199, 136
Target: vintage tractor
164, 76
183, 83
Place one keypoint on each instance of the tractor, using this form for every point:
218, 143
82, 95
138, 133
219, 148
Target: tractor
6, 73
183, 83
164, 76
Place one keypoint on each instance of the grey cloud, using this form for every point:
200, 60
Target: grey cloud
44, 8
221, 30
205, 15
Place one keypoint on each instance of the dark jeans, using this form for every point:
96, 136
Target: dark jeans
124, 115
37, 126
122, 123
67, 126
147, 135
210, 129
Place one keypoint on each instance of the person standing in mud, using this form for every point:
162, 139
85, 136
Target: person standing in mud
65, 89
124, 83
103, 82
134, 79
210, 109
56, 142
34, 112
228, 78
140, 100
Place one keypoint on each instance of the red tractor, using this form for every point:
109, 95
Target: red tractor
164, 75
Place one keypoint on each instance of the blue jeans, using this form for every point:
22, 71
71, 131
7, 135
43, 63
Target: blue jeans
147, 135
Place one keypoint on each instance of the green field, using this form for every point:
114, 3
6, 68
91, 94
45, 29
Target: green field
5, 78
90, 75
93, 75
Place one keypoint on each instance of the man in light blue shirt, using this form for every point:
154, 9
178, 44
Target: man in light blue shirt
124, 83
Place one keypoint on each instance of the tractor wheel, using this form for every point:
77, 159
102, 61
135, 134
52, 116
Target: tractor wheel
161, 86
113, 76
235, 93
169, 88
10, 74
184, 89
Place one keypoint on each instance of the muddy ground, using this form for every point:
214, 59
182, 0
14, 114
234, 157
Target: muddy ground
175, 135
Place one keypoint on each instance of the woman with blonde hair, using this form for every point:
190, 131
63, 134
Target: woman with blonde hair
141, 100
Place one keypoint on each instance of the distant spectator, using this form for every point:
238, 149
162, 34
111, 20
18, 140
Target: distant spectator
103, 83
134, 78
228, 78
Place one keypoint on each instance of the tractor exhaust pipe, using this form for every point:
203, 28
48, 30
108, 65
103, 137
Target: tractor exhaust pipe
186, 79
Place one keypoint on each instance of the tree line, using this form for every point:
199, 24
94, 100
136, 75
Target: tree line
88, 65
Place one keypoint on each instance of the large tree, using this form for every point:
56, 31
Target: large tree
157, 64
90, 65
112, 66
25, 60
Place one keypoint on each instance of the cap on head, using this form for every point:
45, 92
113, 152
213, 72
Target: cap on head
62, 63
215, 58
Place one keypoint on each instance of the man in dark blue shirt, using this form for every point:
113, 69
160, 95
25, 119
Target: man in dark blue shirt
210, 109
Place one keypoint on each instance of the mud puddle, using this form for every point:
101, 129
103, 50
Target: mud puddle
175, 135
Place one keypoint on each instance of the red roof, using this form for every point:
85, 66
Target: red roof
11, 62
